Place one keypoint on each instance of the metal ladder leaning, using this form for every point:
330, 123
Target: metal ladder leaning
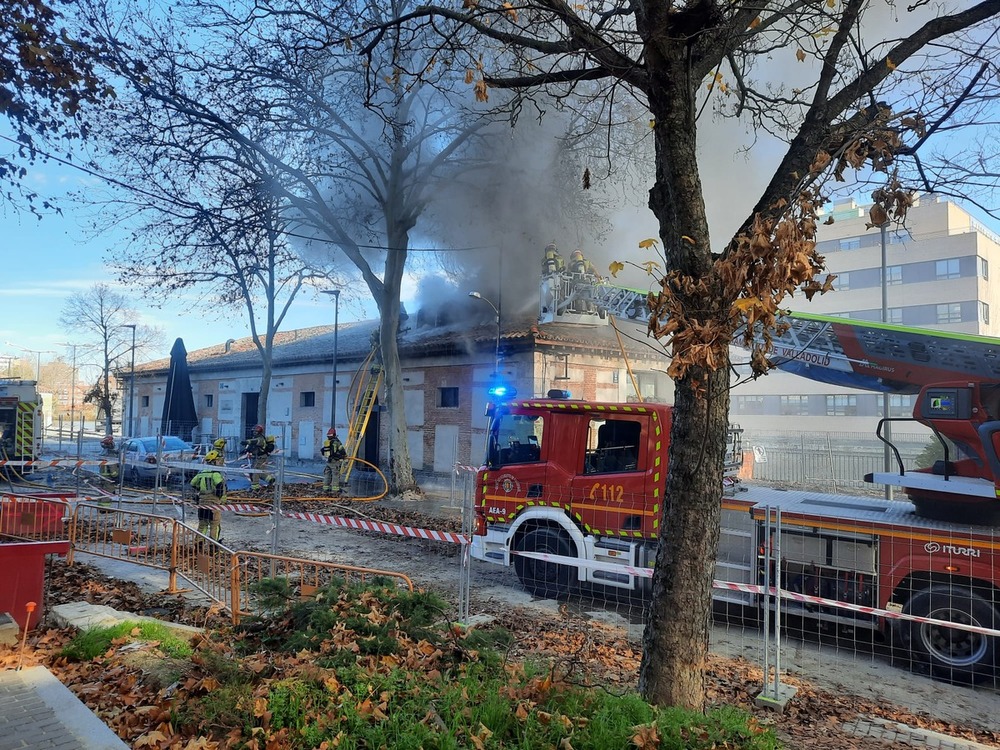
359, 422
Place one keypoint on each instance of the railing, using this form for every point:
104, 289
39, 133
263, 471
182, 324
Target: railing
33, 519
224, 575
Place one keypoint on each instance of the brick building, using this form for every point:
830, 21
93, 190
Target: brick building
448, 367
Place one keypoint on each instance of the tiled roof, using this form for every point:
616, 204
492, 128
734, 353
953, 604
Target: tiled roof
354, 342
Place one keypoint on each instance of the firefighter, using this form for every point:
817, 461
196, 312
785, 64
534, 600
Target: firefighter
218, 448
109, 469
259, 447
553, 262
335, 454
583, 271
210, 487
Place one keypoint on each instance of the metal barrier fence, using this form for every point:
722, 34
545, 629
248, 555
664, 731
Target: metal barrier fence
833, 462
304, 577
33, 518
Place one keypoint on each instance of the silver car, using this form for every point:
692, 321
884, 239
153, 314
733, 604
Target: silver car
143, 457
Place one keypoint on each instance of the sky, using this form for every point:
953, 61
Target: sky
52, 258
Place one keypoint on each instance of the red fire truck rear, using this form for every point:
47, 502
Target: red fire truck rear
583, 480
20, 422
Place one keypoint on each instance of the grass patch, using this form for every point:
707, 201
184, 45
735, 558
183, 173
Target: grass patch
93, 642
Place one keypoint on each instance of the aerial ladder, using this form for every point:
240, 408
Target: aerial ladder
956, 378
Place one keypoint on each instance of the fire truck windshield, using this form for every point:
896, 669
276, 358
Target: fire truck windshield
514, 439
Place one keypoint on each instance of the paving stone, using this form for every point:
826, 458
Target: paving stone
892, 731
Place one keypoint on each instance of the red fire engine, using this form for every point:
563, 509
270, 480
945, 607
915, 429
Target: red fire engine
584, 480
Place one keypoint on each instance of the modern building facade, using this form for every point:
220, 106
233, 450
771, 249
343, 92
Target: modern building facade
937, 276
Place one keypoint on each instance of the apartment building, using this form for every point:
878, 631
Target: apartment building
937, 276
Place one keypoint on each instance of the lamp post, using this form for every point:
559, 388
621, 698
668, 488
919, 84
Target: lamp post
336, 328
131, 386
496, 356
886, 407
38, 357
72, 393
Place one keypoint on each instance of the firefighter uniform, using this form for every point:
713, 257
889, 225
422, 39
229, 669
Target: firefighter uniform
335, 454
210, 486
583, 271
259, 448
553, 262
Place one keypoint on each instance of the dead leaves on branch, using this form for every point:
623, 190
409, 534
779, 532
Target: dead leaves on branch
698, 316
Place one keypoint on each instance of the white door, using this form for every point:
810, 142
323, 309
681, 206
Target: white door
307, 440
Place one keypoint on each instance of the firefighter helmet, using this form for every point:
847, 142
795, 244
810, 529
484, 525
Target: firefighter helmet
108, 442
577, 255
551, 249
258, 429
331, 433
211, 456
219, 444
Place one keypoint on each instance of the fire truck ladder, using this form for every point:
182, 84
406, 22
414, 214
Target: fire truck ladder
359, 422
622, 302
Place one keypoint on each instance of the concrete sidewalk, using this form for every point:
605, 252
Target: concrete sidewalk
39, 712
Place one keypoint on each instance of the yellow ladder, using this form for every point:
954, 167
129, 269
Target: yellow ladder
359, 422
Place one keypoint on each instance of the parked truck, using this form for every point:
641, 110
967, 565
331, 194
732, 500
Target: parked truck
581, 482
20, 422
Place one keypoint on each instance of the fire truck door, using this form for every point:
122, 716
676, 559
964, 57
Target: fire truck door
610, 492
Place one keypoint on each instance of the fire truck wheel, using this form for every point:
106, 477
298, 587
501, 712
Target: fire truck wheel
541, 577
959, 656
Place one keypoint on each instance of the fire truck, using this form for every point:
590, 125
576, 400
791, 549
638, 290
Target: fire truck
569, 480
20, 421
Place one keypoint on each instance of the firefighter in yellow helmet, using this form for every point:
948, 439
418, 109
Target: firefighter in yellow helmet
214, 458
553, 261
335, 454
585, 274
219, 445
210, 487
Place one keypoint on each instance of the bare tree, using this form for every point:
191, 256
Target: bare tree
840, 97
353, 167
46, 78
99, 316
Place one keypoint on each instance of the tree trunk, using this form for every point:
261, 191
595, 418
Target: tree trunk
401, 469
675, 641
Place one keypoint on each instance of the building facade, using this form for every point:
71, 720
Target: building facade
937, 276
448, 369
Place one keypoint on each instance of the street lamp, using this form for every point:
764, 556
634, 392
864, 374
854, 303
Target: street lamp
131, 386
336, 327
38, 357
496, 359
72, 394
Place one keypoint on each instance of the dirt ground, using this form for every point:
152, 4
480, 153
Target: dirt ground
597, 636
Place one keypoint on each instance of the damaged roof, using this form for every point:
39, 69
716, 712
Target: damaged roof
418, 338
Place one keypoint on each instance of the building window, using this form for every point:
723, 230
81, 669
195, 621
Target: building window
209, 400
841, 406
900, 405
144, 401
794, 406
984, 312
843, 281
899, 236
851, 243
983, 267
749, 404
893, 275
949, 313
307, 398
448, 398
894, 315
947, 269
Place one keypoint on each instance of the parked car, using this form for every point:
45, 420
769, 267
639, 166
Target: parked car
143, 457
